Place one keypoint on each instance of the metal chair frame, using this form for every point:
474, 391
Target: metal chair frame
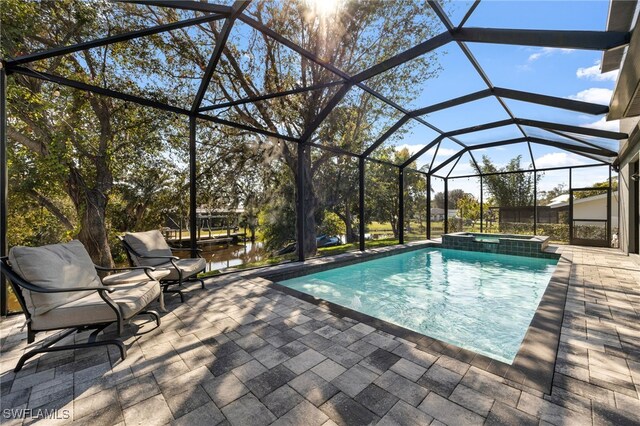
18, 284
165, 283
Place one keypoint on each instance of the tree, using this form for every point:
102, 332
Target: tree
508, 189
599, 189
547, 196
415, 199
469, 207
85, 146
382, 193
253, 64
77, 141
454, 196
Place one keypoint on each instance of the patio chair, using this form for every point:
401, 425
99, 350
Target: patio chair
133, 275
58, 288
150, 249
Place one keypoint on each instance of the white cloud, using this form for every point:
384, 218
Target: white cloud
603, 124
547, 51
463, 168
559, 159
446, 152
593, 73
596, 95
442, 152
412, 148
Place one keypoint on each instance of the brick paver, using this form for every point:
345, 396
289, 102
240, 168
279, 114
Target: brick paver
243, 353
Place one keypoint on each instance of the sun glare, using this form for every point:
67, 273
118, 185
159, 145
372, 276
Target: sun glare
324, 8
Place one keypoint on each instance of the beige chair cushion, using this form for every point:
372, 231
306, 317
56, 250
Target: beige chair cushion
189, 268
149, 243
133, 277
92, 309
54, 266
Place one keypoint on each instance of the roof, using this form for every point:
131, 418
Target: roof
565, 203
596, 145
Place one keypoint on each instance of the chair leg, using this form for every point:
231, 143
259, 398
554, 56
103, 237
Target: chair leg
94, 335
168, 290
161, 302
153, 314
90, 344
195, 279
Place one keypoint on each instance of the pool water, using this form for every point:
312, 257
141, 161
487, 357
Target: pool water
483, 302
486, 239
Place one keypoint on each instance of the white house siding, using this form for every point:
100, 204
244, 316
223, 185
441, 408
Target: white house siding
596, 208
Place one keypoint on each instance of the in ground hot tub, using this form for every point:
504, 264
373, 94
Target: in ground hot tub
518, 245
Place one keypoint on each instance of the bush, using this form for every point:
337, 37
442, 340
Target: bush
556, 231
591, 232
518, 228
455, 225
331, 225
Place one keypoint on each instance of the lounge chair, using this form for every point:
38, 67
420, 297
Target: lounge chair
58, 288
150, 249
133, 275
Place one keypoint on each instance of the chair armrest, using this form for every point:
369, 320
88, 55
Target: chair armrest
38, 289
147, 269
159, 257
129, 268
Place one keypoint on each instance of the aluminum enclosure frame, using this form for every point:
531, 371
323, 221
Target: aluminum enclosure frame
589, 40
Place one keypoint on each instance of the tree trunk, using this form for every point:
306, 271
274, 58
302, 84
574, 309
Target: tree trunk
348, 223
310, 204
93, 229
395, 222
91, 205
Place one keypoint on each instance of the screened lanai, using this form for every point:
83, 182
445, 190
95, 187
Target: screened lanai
448, 96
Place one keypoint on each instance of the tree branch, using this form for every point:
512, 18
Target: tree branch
49, 205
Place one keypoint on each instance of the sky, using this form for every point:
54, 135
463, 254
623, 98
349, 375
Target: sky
566, 73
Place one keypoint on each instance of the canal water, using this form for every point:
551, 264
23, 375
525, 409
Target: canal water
234, 255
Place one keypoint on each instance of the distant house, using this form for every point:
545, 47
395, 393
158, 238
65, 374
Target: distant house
437, 214
594, 207
557, 211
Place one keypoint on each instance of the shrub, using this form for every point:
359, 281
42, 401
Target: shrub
455, 225
331, 225
518, 228
556, 231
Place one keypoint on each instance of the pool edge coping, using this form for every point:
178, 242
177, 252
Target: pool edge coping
534, 364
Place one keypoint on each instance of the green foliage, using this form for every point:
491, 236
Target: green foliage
278, 224
86, 166
468, 207
454, 224
558, 232
382, 198
331, 225
454, 196
518, 228
508, 189
415, 204
602, 187
545, 197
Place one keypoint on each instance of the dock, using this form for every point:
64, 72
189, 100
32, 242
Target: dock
215, 239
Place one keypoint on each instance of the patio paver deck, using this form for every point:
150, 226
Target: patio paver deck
247, 354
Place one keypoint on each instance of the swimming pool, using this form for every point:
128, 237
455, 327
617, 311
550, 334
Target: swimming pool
483, 302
